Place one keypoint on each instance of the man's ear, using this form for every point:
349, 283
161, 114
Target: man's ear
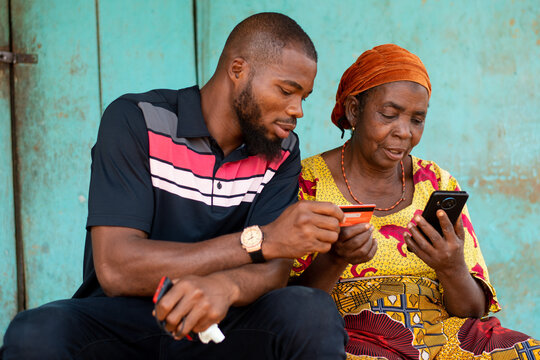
352, 110
238, 70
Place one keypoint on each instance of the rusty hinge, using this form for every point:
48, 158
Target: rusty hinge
12, 58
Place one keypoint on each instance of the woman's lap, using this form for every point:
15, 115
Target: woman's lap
409, 325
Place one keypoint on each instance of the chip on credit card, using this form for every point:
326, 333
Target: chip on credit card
356, 214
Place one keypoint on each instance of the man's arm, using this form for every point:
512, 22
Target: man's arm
194, 303
128, 264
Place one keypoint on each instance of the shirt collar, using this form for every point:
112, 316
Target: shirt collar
190, 118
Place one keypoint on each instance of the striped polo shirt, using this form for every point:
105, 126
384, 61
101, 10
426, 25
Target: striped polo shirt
156, 168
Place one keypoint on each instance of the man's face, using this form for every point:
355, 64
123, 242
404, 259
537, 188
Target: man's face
271, 101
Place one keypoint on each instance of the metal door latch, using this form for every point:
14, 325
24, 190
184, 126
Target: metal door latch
12, 58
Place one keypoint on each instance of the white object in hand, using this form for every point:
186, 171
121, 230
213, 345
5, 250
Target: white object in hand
212, 333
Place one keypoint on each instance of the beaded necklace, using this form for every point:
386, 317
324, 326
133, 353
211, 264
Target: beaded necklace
349, 187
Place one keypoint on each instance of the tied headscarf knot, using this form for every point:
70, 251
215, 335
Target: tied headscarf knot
380, 65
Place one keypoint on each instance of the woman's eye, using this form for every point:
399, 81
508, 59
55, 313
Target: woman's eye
417, 121
388, 116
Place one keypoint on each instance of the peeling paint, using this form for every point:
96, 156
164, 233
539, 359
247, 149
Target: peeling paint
516, 181
512, 281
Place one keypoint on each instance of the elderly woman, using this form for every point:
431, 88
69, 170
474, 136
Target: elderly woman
402, 295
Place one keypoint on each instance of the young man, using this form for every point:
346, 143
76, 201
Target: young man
200, 186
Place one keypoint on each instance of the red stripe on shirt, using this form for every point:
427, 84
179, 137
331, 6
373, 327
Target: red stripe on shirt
163, 148
252, 166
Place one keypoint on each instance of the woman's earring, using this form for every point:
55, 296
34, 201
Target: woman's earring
353, 128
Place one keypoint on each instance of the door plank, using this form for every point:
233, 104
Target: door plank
57, 112
145, 45
8, 267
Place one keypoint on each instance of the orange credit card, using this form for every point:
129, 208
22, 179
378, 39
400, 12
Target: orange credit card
356, 214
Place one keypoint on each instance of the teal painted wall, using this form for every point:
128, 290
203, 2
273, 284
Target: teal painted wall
483, 124
144, 46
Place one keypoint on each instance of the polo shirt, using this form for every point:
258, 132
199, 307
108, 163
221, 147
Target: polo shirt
156, 168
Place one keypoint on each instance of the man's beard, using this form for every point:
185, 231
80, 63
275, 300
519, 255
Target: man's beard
254, 133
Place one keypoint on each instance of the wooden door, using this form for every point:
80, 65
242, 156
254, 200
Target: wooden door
8, 269
89, 52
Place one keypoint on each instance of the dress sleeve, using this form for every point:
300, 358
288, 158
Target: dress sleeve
307, 191
121, 191
473, 254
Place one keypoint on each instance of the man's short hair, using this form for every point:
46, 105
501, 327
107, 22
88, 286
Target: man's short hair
261, 38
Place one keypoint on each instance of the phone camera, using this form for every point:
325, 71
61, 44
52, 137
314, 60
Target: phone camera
448, 203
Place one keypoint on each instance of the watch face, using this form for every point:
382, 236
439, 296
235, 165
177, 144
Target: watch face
251, 237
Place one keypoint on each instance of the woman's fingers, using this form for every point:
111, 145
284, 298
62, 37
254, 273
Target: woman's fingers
426, 231
413, 246
356, 244
453, 234
446, 226
419, 238
350, 232
458, 228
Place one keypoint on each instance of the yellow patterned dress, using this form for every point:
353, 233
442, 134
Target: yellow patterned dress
393, 304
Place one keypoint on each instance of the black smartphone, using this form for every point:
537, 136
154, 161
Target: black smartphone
452, 202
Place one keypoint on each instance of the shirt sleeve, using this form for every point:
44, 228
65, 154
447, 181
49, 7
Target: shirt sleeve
280, 192
120, 185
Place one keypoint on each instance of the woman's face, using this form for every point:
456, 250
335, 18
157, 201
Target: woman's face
391, 123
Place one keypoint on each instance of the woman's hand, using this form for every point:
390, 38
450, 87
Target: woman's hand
355, 245
463, 295
442, 253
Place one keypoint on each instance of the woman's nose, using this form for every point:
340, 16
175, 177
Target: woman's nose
403, 127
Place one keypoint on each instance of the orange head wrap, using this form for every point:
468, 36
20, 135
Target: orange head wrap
380, 65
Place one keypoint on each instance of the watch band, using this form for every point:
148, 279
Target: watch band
257, 256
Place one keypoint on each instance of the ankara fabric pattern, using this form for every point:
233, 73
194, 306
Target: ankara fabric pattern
393, 304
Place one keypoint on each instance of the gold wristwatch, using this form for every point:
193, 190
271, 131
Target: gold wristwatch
251, 240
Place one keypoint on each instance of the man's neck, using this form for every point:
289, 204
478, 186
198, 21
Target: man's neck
219, 115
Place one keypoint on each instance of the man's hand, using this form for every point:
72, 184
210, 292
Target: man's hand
303, 228
194, 303
355, 245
